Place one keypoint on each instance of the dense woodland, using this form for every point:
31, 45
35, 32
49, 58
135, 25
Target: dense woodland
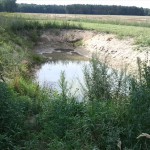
82, 9
11, 6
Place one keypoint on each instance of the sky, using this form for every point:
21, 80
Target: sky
138, 3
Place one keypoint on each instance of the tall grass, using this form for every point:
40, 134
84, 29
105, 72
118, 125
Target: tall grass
100, 122
18, 23
97, 80
131, 112
104, 83
101, 19
59, 121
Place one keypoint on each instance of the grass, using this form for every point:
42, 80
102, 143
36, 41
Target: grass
139, 34
113, 112
134, 27
57, 121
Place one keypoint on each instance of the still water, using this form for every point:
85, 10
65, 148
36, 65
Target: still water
48, 75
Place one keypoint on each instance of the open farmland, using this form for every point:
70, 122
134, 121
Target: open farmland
108, 18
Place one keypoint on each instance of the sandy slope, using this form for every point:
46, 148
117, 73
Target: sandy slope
119, 53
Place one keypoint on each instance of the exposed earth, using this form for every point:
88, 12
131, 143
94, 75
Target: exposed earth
118, 53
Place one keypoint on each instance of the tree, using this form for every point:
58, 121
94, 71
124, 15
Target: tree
83, 9
8, 5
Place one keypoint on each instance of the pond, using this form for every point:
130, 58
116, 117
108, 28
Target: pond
48, 75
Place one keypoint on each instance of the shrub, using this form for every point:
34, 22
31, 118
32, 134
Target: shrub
11, 117
97, 80
139, 110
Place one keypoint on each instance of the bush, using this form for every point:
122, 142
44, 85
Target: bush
97, 80
11, 117
139, 110
15, 114
103, 124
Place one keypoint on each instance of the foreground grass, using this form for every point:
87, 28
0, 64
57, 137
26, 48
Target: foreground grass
111, 116
46, 119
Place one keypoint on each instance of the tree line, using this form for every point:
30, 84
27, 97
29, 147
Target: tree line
11, 6
8, 5
83, 9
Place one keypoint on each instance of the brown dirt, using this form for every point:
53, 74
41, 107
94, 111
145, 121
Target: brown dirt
119, 53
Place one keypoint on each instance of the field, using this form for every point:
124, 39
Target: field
114, 113
136, 27
109, 18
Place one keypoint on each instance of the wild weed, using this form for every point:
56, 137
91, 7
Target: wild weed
139, 108
12, 116
97, 80
102, 82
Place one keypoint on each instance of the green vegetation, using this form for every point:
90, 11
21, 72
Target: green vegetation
11, 6
138, 31
8, 5
140, 34
111, 116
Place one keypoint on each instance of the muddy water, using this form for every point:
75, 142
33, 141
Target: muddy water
48, 75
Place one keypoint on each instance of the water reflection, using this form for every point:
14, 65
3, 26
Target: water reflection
66, 62
49, 74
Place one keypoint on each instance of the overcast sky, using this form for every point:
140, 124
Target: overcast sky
138, 3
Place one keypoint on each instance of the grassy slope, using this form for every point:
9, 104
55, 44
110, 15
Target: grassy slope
140, 31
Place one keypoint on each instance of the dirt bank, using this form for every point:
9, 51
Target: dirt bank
119, 53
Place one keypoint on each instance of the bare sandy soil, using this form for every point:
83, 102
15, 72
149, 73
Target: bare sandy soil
119, 53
